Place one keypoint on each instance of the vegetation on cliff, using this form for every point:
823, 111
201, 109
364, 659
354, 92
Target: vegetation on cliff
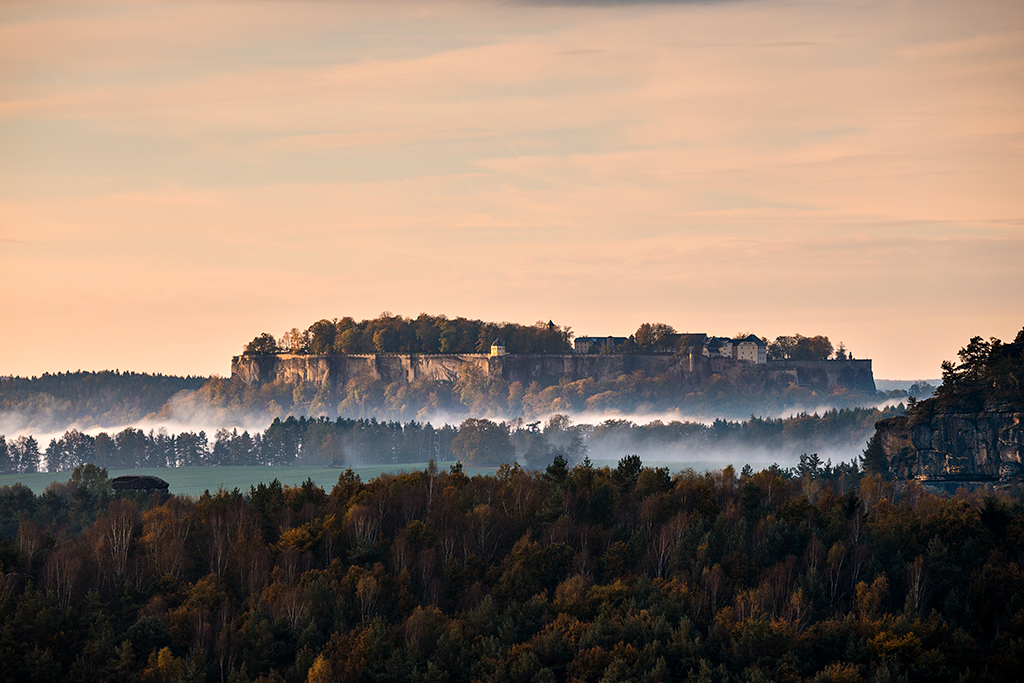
989, 377
389, 333
987, 371
570, 574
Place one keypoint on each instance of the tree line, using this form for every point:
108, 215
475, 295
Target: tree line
476, 441
389, 333
987, 371
624, 573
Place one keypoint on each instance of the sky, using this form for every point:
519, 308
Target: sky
178, 177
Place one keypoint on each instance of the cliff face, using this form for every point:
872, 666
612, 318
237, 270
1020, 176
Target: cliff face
855, 375
952, 446
334, 372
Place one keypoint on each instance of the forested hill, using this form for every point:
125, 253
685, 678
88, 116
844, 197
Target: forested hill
571, 574
107, 398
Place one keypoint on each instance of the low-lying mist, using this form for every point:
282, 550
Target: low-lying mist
216, 418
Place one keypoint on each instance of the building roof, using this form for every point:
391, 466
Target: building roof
750, 338
598, 340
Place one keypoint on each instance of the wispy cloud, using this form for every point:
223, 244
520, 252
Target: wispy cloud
735, 164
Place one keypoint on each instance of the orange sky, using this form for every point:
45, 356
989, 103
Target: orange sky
177, 177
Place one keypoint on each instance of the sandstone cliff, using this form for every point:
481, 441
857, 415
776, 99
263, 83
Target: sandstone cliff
333, 372
971, 430
952, 447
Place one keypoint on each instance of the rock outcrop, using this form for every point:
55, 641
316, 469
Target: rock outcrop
970, 431
139, 484
948, 447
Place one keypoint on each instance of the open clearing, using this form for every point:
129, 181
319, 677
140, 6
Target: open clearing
192, 481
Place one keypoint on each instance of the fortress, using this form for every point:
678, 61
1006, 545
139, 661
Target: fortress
333, 372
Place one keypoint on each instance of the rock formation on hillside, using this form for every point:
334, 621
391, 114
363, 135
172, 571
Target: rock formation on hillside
332, 372
972, 431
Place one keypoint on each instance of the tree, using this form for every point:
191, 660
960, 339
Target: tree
652, 336
263, 344
92, 479
24, 454
131, 446
118, 529
483, 442
565, 438
873, 460
105, 450
558, 470
628, 470
294, 341
799, 347
321, 336
70, 451
6, 462
813, 348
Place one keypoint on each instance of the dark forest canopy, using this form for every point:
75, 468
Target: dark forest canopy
624, 573
477, 441
389, 333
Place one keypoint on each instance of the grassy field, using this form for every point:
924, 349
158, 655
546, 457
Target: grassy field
192, 481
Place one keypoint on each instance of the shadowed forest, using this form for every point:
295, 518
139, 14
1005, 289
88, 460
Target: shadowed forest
570, 574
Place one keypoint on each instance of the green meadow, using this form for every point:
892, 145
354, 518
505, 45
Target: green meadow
192, 481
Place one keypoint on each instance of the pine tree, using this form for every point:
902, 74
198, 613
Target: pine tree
873, 460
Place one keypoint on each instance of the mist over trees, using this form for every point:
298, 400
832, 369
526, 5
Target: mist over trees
87, 399
478, 442
42, 406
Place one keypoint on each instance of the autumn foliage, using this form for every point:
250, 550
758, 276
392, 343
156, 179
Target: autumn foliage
576, 573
